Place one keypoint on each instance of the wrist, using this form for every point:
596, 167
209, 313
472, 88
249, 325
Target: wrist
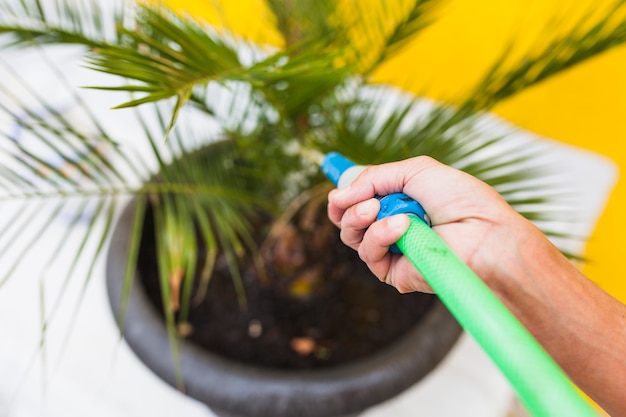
522, 265
535, 281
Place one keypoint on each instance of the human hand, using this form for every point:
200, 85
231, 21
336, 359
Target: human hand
470, 216
572, 318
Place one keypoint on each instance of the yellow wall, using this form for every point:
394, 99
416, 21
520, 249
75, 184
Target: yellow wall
585, 106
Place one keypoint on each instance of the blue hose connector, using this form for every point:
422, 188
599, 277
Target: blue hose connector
335, 165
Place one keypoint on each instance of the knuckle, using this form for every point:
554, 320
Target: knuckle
363, 255
344, 236
425, 159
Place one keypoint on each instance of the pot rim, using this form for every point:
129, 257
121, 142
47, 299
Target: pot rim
225, 384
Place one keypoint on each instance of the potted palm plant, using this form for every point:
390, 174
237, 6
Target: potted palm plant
223, 273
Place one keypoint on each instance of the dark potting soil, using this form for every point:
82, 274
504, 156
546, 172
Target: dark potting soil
317, 306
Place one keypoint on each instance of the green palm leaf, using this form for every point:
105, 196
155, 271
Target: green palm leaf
236, 152
44, 146
388, 28
88, 23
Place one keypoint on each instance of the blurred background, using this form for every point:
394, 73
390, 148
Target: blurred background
584, 106
92, 372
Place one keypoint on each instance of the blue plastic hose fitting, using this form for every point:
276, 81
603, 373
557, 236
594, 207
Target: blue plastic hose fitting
341, 171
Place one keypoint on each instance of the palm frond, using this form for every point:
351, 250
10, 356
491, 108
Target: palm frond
88, 23
167, 56
234, 154
299, 81
585, 41
409, 19
48, 158
380, 125
298, 21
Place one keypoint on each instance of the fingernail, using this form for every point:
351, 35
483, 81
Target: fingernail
396, 222
365, 208
340, 192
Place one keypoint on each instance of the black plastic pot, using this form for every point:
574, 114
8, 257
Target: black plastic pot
232, 389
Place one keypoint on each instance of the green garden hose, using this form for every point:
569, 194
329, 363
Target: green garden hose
542, 387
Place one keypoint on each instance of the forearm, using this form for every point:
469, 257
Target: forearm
581, 326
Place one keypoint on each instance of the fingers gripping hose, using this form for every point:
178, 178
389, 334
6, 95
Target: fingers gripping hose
541, 385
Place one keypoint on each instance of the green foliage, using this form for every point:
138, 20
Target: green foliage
64, 22
236, 117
